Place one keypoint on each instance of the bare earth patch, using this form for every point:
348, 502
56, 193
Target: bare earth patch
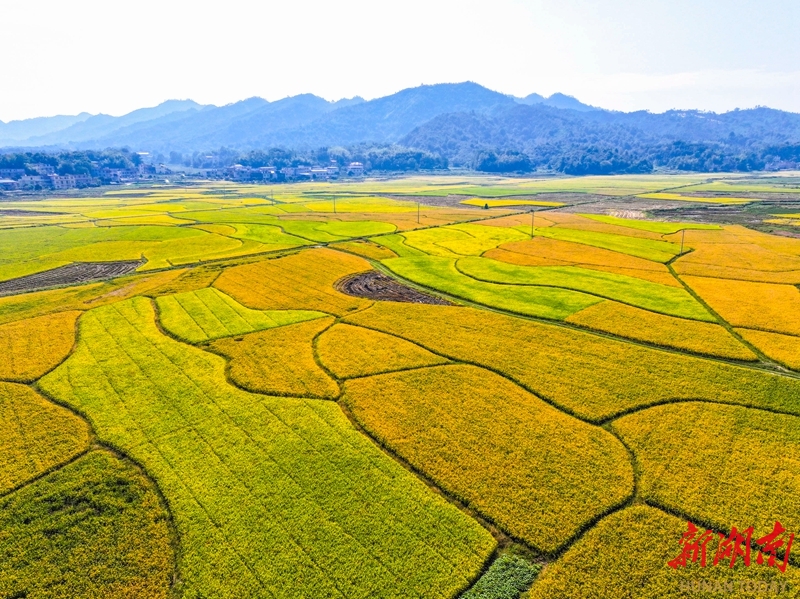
71, 274
377, 286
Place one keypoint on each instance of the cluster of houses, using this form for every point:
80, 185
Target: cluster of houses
45, 177
237, 172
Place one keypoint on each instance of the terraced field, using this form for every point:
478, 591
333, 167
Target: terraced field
370, 389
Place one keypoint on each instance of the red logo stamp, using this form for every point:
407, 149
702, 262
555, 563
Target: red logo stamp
737, 545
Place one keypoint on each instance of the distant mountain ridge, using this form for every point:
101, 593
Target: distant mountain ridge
457, 121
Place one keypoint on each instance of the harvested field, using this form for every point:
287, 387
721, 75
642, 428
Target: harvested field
71, 274
29, 213
376, 285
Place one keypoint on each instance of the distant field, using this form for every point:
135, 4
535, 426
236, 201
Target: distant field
367, 388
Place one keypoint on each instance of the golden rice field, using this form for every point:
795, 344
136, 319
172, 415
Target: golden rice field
762, 306
279, 361
784, 349
350, 352
726, 440
33, 346
703, 338
407, 387
489, 442
625, 555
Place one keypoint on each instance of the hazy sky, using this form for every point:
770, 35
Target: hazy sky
98, 56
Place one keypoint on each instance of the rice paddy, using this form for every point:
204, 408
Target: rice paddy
726, 440
377, 389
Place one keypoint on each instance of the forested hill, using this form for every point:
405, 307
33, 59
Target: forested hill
463, 124
596, 141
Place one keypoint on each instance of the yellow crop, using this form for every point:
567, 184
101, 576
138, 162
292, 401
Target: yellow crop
197, 316
791, 277
579, 254
661, 275
703, 200
688, 455
781, 348
35, 435
94, 529
349, 351
749, 256
507, 203
659, 329
277, 497
301, 281
606, 377
367, 249
279, 361
625, 557
568, 220
29, 348
492, 444
542, 251
763, 306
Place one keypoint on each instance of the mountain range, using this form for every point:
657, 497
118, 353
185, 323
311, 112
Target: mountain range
455, 121
301, 121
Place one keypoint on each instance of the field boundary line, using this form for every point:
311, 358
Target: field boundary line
259, 397
677, 401
591, 293
761, 355
761, 367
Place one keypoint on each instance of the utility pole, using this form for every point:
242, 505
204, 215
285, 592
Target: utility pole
683, 235
334, 204
532, 217
417, 211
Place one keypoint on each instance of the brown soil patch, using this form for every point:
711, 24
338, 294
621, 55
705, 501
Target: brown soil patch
71, 274
377, 286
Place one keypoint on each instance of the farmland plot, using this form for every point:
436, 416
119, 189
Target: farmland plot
279, 361
350, 352
607, 377
629, 290
33, 346
692, 336
677, 446
763, 306
491, 443
300, 281
197, 316
95, 529
271, 496
36, 435
441, 274
625, 555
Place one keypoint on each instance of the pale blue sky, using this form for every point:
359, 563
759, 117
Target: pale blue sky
99, 56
